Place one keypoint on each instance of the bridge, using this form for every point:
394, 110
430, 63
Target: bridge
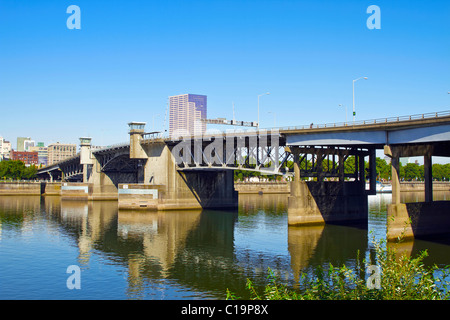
153, 172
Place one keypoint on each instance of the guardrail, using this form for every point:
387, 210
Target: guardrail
422, 116
116, 145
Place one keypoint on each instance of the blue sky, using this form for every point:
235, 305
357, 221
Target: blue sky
58, 84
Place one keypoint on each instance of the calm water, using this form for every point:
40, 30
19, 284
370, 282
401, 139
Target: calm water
170, 255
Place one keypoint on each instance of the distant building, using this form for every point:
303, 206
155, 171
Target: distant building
404, 161
27, 144
5, 149
29, 158
60, 151
21, 146
186, 110
42, 153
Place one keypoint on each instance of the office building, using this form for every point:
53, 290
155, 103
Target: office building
186, 110
60, 151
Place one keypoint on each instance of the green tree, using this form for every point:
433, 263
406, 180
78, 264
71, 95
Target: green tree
15, 169
411, 171
383, 169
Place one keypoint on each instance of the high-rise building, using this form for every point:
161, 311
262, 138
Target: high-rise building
60, 151
186, 110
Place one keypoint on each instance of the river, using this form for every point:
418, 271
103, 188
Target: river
173, 255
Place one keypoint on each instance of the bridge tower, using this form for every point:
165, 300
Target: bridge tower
136, 132
86, 159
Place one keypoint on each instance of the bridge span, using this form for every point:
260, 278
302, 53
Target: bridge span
152, 172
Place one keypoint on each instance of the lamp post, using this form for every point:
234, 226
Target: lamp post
345, 113
354, 113
258, 105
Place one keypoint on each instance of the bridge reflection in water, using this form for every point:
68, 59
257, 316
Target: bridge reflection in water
197, 253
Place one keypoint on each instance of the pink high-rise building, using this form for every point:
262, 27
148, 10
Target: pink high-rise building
186, 110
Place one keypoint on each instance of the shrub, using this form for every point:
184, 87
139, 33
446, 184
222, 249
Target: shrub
402, 278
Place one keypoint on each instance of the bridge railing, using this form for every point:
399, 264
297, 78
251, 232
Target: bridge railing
116, 145
421, 116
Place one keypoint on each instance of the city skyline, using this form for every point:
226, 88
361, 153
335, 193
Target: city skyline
59, 84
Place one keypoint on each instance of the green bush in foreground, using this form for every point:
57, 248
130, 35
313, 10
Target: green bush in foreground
402, 278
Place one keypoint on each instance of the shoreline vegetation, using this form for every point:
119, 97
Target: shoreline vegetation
401, 278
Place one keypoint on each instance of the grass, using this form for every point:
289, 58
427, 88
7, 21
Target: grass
401, 278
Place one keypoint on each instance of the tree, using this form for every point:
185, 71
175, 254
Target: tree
383, 169
15, 169
411, 171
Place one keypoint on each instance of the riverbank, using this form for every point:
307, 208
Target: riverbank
274, 187
267, 187
11, 188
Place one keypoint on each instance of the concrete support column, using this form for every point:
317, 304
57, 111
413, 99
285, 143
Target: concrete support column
361, 168
296, 163
85, 173
395, 180
428, 178
372, 171
395, 167
341, 168
320, 175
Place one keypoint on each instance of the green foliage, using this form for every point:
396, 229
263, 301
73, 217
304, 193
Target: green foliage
402, 278
16, 170
383, 169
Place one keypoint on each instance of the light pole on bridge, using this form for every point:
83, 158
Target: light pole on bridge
354, 113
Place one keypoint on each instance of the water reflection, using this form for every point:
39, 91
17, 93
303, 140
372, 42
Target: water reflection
163, 236
190, 254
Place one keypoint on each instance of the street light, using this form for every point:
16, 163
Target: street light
258, 106
354, 113
345, 112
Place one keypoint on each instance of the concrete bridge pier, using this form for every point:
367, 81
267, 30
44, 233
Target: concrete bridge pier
331, 200
411, 220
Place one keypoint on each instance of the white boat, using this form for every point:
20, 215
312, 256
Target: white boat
383, 188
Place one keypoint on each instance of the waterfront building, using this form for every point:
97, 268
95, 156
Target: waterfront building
27, 157
185, 112
60, 151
